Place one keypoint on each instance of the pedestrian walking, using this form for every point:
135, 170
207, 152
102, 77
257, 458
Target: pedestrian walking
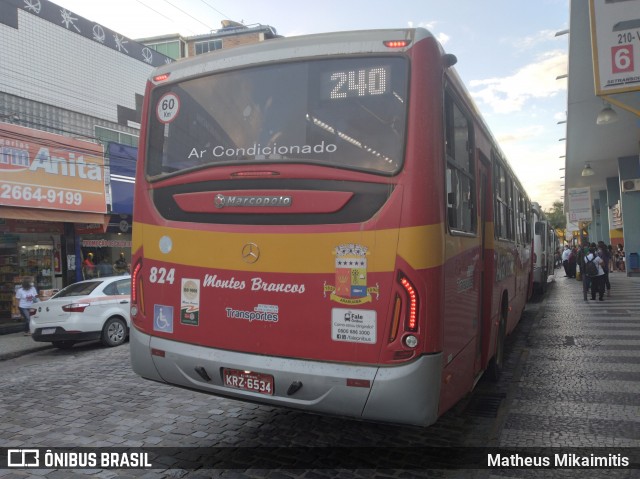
603, 252
586, 280
611, 258
573, 258
593, 269
565, 261
620, 259
26, 296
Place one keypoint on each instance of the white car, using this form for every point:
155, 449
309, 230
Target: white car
85, 311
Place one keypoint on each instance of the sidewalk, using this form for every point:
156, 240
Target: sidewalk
17, 344
579, 380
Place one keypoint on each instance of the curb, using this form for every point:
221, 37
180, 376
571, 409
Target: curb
11, 328
17, 354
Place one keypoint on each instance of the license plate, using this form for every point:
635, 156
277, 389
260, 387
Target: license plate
49, 331
248, 381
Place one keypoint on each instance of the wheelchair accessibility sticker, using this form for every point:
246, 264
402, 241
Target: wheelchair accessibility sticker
163, 318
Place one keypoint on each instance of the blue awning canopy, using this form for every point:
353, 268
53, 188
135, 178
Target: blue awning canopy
122, 165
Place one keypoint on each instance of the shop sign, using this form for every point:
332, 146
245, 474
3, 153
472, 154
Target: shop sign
616, 46
579, 205
88, 228
105, 243
47, 171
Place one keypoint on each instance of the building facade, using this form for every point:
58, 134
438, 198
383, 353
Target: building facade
231, 35
70, 111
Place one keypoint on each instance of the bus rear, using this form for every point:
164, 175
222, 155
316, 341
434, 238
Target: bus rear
273, 246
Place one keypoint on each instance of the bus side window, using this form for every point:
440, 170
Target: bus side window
460, 169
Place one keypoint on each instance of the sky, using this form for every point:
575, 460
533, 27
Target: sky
509, 56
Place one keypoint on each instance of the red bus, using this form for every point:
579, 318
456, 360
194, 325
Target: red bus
324, 222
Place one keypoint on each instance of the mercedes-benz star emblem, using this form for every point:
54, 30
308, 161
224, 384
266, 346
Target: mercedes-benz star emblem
250, 253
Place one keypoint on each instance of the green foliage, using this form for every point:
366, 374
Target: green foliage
556, 216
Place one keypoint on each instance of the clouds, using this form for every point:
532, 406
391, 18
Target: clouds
531, 41
535, 81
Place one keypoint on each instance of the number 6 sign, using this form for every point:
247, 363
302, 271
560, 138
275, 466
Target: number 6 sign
622, 59
168, 107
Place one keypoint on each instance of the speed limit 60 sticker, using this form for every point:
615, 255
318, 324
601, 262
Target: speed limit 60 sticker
168, 107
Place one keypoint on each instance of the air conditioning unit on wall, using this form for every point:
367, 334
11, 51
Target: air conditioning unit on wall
631, 185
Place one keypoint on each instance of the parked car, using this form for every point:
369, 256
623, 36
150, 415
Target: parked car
89, 310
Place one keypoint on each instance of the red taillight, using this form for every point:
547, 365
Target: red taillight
75, 307
411, 323
396, 43
161, 78
134, 282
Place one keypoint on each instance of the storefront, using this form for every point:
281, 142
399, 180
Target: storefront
104, 253
107, 252
28, 249
48, 184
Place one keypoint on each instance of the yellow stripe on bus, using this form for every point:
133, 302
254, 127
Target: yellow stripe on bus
421, 247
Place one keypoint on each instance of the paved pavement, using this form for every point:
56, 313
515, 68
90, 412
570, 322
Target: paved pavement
575, 382
580, 379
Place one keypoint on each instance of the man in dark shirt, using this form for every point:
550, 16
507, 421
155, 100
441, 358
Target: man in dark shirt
120, 266
586, 281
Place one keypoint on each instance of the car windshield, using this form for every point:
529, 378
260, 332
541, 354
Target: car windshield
346, 113
78, 289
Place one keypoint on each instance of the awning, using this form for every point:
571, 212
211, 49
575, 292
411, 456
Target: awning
122, 165
33, 214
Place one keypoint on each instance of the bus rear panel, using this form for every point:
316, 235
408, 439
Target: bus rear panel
289, 237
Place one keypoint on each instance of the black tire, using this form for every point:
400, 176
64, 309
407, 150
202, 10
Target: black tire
114, 332
63, 344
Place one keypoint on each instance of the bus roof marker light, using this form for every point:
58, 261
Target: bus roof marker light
165, 244
248, 174
396, 43
161, 78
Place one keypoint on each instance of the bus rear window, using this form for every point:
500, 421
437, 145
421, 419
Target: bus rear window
345, 113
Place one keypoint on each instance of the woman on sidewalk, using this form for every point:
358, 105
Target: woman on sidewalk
26, 295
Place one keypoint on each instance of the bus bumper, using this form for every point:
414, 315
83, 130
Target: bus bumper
405, 394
